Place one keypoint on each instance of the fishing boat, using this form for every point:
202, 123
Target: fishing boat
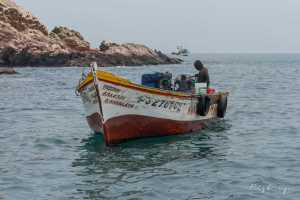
122, 110
181, 51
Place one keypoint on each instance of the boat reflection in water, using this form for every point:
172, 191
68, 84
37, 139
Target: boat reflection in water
130, 169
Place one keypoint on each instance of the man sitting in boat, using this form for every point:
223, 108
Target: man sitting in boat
202, 76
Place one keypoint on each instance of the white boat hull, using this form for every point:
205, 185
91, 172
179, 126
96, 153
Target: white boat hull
135, 112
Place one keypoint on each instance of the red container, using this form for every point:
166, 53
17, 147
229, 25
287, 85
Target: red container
211, 90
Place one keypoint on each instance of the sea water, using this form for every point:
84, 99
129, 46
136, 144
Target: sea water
48, 152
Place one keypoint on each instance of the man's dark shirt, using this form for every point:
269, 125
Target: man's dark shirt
203, 76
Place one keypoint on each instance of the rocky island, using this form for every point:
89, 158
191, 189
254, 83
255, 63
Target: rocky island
7, 70
25, 41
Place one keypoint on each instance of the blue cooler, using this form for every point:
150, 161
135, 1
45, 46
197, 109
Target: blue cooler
152, 80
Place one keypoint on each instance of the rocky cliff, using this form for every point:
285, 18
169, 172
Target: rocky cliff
25, 41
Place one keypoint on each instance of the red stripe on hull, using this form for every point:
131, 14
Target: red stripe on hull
128, 127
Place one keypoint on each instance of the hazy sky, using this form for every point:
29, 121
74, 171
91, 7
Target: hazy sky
200, 25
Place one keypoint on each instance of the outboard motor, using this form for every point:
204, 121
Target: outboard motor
184, 83
165, 82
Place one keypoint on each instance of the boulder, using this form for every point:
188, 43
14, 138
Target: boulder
106, 44
71, 38
7, 70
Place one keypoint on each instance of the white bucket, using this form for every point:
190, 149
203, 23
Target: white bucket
200, 88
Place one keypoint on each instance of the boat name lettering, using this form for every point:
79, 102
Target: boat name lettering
159, 103
118, 103
192, 109
113, 96
111, 88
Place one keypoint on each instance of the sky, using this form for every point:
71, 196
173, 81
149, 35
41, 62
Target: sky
202, 26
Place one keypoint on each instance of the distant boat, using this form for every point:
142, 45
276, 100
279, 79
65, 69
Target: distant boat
122, 110
181, 51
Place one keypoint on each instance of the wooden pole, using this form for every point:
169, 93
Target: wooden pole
94, 71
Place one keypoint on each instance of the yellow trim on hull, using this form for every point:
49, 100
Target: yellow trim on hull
110, 77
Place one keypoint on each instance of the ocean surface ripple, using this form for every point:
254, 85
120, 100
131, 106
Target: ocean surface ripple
48, 152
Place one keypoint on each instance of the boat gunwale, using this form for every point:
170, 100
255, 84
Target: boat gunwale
139, 87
